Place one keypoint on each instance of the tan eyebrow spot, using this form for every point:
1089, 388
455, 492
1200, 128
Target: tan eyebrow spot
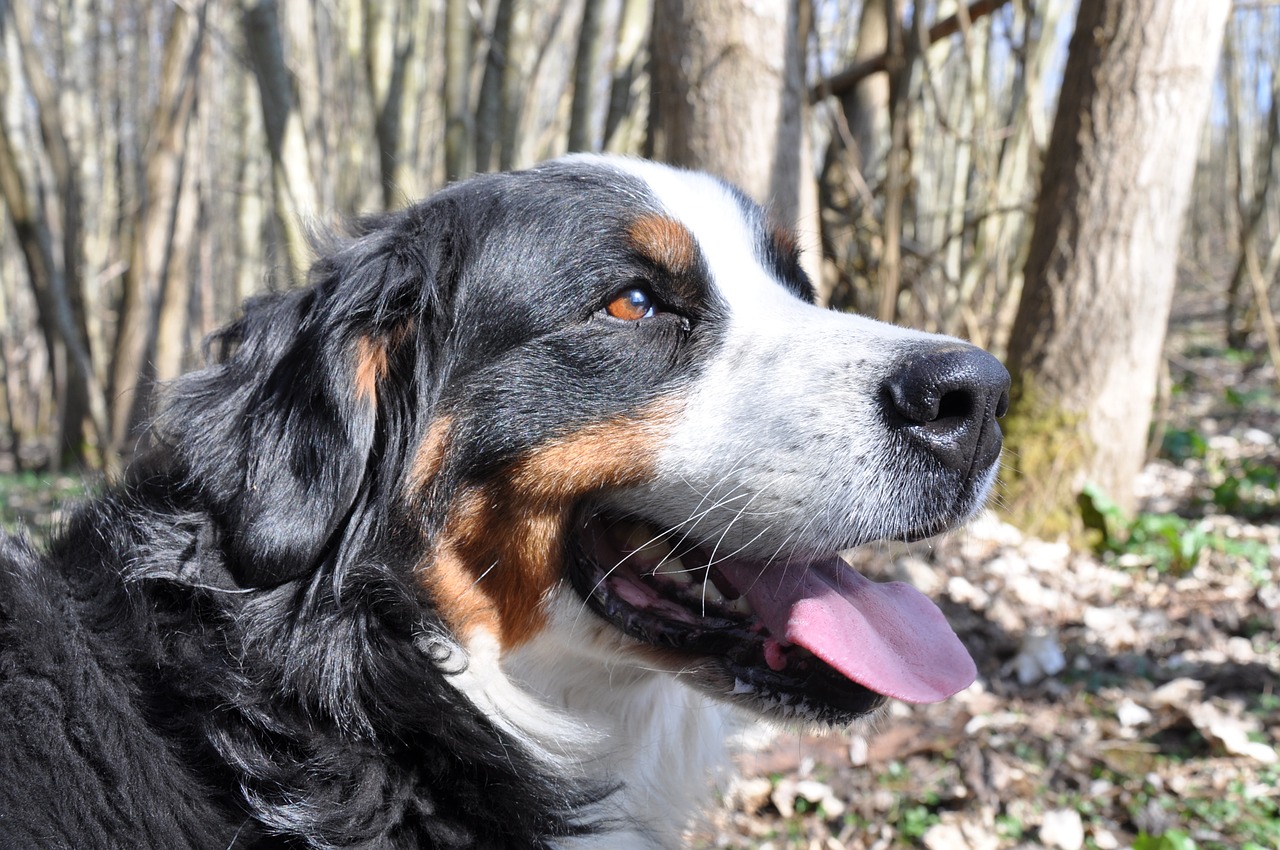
665, 242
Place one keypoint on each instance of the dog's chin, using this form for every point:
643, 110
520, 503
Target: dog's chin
798, 638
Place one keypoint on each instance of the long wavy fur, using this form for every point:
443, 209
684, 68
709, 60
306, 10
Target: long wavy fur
238, 617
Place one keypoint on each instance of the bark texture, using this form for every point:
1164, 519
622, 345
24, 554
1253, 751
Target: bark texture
56, 276
719, 74
1086, 344
459, 156
295, 192
152, 261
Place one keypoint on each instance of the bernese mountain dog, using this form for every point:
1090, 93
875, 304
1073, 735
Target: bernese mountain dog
483, 537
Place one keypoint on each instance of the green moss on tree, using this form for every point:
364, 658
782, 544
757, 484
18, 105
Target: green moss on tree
1046, 451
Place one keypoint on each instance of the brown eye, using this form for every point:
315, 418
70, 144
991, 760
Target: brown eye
631, 304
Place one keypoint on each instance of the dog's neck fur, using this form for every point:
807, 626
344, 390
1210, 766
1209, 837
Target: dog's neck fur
594, 716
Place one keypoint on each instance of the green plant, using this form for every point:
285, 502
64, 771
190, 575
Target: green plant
1172, 840
915, 822
1169, 542
1249, 489
1249, 398
1010, 827
1181, 444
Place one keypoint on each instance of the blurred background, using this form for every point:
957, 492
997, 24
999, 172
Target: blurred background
1089, 189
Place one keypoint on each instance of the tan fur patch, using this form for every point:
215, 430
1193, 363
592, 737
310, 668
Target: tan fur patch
502, 548
664, 241
785, 240
371, 367
430, 455
452, 580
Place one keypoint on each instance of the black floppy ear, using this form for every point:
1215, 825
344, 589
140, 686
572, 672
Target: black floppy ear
282, 436
307, 436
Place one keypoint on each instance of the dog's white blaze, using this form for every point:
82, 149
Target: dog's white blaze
781, 440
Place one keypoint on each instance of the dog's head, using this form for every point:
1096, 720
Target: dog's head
590, 410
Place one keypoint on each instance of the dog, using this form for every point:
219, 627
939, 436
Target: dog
485, 536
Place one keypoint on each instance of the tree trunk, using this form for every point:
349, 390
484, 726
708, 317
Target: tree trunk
1252, 207
251, 215
9, 411
388, 47
459, 156
489, 104
36, 244
295, 192
901, 60
866, 106
516, 73
173, 310
853, 157
588, 67
623, 127
991, 282
728, 98
1085, 348
82, 404
861, 243
132, 372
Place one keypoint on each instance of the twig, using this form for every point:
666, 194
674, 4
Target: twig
839, 83
1265, 316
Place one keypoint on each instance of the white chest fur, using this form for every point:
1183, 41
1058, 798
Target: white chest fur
575, 699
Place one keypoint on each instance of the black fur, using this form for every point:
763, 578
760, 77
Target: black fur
227, 650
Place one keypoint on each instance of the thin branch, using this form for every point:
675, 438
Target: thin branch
838, 84
1265, 316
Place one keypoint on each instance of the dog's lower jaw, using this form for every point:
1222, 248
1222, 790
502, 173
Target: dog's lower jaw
596, 717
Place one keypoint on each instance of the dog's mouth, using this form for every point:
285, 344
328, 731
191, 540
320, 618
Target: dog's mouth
792, 637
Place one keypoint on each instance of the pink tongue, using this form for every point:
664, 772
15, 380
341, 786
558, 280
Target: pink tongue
887, 637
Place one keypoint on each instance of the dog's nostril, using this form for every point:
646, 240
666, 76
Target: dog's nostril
945, 400
956, 404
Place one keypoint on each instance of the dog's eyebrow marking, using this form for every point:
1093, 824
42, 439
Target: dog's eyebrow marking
665, 242
502, 547
371, 367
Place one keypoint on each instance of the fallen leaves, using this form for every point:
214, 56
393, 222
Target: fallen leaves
1115, 701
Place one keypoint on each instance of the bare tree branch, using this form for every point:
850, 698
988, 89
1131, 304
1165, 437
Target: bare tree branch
839, 83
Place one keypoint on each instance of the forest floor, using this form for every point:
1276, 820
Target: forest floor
1127, 697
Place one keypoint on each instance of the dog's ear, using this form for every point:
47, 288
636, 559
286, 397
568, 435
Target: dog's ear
283, 437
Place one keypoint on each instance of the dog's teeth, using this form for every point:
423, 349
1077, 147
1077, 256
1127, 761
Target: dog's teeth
722, 582
636, 537
711, 594
646, 544
673, 568
741, 687
738, 606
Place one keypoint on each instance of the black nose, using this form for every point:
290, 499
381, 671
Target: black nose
945, 399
